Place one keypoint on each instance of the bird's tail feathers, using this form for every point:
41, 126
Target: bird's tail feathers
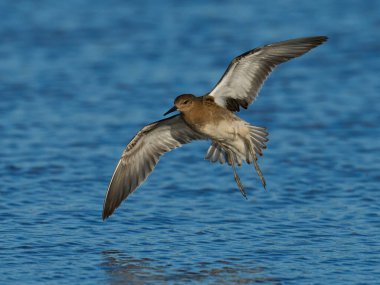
254, 145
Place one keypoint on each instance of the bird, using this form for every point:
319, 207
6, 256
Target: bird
212, 117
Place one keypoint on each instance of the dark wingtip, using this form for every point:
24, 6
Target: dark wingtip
105, 215
323, 38
318, 40
313, 41
107, 211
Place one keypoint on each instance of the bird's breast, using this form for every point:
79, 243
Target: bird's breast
225, 130
216, 123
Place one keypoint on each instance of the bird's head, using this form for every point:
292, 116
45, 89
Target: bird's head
183, 103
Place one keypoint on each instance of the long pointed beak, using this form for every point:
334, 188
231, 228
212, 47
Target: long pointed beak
173, 109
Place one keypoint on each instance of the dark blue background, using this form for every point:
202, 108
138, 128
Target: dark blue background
79, 78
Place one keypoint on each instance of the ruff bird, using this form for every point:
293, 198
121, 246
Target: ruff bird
208, 117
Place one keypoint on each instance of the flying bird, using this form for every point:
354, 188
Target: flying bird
208, 117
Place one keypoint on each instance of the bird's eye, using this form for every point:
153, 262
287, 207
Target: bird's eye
185, 102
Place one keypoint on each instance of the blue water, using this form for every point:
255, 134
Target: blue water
79, 78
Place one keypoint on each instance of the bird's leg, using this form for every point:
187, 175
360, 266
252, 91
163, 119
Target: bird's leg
236, 176
258, 170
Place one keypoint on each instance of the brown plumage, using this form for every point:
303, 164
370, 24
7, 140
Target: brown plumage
208, 117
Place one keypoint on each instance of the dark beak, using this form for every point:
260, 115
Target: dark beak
173, 109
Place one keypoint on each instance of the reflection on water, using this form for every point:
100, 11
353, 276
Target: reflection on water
124, 269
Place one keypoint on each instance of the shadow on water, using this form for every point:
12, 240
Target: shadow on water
124, 269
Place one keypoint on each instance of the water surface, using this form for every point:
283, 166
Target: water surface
79, 78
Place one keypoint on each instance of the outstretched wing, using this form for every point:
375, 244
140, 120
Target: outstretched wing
141, 156
241, 82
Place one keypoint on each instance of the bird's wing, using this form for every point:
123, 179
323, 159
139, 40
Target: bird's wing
141, 156
241, 82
